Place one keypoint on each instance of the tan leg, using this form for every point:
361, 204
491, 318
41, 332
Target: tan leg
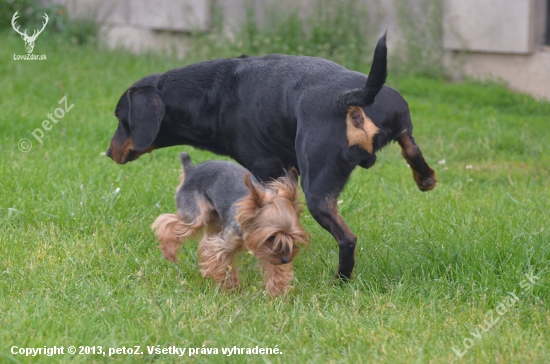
216, 259
423, 174
171, 230
277, 278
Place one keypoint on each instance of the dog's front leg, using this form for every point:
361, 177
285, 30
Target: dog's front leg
277, 277
216, 260
324, 210
322, 182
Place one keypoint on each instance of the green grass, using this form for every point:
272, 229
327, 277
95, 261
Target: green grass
79, 264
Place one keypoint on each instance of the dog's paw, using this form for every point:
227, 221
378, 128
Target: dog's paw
427, 184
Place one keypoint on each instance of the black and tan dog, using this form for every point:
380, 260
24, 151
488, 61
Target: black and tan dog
274, 113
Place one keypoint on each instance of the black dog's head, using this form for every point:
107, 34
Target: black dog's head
139, 111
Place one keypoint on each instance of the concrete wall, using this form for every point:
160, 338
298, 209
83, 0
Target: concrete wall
500, 39
170, 15
529, 73
156, 24
486, 38
496, 26
143, 25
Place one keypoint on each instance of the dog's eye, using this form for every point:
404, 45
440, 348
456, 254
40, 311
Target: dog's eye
271, 239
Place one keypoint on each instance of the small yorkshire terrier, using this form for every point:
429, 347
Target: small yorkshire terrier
233, 216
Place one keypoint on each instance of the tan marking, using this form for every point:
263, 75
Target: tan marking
333, 206
408, 150
414, 158
172, 230
360, 130
120, 154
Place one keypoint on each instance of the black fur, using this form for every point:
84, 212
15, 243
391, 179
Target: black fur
375, 81
270, 114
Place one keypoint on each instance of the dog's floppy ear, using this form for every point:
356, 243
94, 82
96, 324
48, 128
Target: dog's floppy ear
146, 112
256, 193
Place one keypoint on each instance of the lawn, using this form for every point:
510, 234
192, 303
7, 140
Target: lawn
458, 274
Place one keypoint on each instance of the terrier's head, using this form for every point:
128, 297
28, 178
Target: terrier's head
269, 218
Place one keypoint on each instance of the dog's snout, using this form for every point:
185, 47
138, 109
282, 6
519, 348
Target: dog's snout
108, 153
285, 259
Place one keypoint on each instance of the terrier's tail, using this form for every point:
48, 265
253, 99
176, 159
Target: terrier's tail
186, 165
186, 162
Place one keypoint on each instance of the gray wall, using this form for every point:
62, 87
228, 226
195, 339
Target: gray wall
481, 38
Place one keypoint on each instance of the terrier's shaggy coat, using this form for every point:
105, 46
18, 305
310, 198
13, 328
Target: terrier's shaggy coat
233, 212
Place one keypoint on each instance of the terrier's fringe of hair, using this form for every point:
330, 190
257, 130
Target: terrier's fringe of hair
278, 195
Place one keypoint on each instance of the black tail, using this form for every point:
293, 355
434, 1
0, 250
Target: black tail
377, 78
186, 162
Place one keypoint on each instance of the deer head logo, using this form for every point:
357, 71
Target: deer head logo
29, 41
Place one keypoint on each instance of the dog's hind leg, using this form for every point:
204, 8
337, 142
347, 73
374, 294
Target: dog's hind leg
171, 230
217, 253
424, 176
